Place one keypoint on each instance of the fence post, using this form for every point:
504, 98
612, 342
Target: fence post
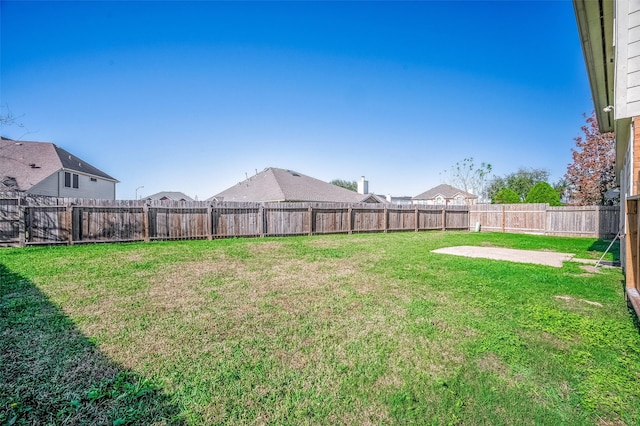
417, 219
349, 220
310, 221
503, 217
22, 225
145, 223
444, 218
209, 222
386, 219
69, 219
598, 225
263, 221
545, 223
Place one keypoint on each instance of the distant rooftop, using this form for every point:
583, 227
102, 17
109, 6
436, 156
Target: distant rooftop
280, 185
446, 191
169, 196
28, 163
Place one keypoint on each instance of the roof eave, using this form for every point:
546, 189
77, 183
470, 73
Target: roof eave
82, 172
595, 26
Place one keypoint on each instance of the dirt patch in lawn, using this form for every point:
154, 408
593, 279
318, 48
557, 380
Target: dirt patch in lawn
492, 364
570, 300
263, 247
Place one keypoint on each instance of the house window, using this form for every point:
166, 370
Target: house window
70, 180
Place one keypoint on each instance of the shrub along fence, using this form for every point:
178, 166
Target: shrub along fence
43, 220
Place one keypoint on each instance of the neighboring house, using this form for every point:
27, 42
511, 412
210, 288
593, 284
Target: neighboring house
42, 168
404, 200
610, 36
445, 195
169, 196
280, 185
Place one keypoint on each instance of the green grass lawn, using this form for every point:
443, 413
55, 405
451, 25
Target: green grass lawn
360, 329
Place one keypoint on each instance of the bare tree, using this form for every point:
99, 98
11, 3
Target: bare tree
468, 176
7, 118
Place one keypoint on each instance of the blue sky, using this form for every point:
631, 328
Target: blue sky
191, 96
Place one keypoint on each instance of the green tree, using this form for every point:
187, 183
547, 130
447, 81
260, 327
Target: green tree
520, 182
506, 196
561, 187
351, 185
542, 192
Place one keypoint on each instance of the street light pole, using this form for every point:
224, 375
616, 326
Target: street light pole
140, 187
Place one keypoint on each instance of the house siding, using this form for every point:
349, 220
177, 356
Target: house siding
627, 187
627, 74
100, 189
53, 186
47, 187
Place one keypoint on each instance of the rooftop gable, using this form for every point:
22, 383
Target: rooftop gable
446, 191
169, 195
71, 162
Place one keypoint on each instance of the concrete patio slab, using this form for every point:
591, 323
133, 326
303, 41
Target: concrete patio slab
547, 258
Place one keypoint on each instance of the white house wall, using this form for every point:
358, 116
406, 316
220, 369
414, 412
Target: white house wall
627, 74
48, 186
100, 189
53, 186
626, 190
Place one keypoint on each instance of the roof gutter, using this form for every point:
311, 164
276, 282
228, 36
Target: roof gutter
89, 174
595, 26
595, 19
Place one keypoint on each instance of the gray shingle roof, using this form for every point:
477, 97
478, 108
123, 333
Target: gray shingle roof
447, 191
169, 195
31, 162
71, 162
274, 184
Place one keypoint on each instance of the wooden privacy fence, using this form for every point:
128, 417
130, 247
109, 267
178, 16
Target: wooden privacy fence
43, 220
575, 221
38, 220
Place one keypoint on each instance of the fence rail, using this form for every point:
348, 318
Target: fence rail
34, 220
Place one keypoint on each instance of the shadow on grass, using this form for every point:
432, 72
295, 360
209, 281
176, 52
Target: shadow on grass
603, 244
50, 373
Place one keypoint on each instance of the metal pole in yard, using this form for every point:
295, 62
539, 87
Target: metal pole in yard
608, 248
